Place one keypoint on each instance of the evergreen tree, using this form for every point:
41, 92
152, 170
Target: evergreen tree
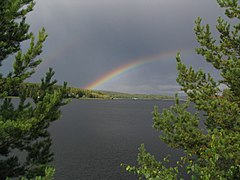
24, 139
212, 151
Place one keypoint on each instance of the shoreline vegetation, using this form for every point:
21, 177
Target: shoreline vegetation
120, 95
31, 89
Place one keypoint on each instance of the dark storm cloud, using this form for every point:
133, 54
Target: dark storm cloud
89, 38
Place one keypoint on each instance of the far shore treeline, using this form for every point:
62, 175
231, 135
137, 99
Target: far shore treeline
32, 89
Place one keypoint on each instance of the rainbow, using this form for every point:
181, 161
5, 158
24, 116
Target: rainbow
129, 66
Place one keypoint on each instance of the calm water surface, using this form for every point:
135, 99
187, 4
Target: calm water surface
94, 137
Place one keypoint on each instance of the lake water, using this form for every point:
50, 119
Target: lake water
94, 137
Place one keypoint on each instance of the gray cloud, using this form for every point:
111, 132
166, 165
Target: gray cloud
90, 38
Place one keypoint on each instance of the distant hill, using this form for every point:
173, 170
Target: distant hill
120, 95
31, 89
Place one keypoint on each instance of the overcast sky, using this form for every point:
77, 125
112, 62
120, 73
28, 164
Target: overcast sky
89, 38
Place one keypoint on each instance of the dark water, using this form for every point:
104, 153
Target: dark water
94, 137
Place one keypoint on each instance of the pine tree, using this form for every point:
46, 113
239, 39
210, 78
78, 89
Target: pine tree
24, 139
212, 151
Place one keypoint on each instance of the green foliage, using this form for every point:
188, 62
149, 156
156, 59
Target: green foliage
49, 172
150, 168
24, 139
211, 151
